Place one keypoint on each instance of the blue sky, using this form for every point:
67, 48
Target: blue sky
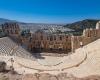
49, 11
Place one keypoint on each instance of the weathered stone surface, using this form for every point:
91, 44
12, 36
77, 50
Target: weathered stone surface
62, 76
30, 77
92, 77
53, 78
44, 76
65, 76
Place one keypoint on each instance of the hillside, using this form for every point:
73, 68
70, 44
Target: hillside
80, 25
2, 20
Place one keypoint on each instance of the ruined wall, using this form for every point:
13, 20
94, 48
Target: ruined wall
11, 29
51, 42
89, 35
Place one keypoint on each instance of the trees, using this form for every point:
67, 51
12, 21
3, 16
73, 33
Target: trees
25, 33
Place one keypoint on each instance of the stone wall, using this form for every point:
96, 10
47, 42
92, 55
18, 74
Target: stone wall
11, 29
51, 42
89, 35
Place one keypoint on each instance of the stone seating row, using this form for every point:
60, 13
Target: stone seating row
8, 47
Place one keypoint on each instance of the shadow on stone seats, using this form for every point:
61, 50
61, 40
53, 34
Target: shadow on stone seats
37, 54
